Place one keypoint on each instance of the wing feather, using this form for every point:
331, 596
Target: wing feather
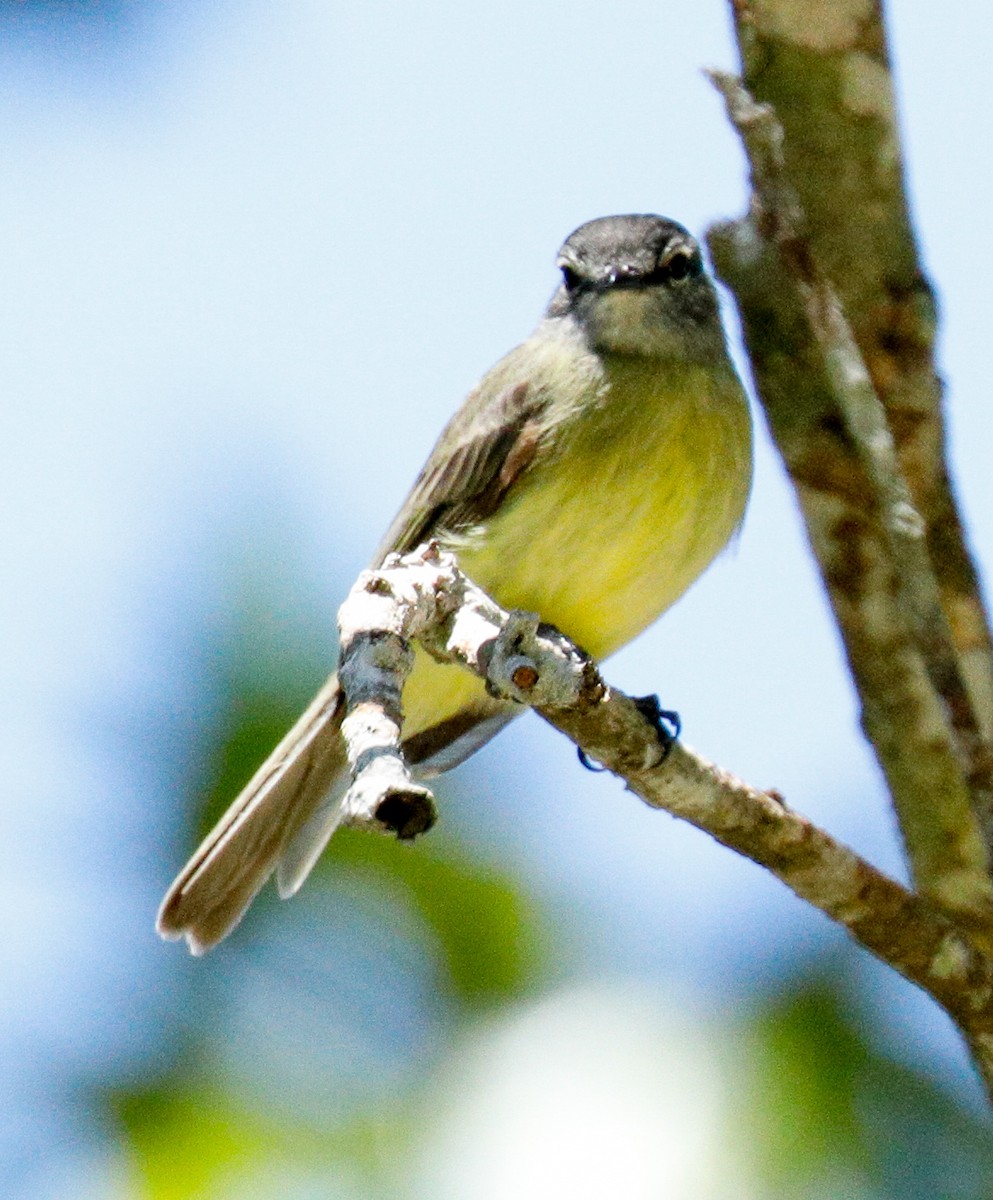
482, 452
284, 817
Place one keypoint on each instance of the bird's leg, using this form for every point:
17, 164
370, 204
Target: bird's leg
665, 721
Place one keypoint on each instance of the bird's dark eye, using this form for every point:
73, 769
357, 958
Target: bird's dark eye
571, 278
680, 266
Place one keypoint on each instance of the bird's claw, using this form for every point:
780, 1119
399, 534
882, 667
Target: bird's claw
666, 722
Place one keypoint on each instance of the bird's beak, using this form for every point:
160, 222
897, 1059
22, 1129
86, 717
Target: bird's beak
620, 276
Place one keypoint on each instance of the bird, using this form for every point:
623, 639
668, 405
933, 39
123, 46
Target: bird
590, 477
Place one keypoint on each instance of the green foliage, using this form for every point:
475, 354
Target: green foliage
188, 1139
255, 724
184, 1138
827, 1115
829, 1106
491, 935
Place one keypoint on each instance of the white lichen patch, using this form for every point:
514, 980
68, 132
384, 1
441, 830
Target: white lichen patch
866, 87
821, 27
967, 888
951, 960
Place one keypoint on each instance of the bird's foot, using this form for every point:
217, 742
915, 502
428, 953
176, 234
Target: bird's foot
666, 722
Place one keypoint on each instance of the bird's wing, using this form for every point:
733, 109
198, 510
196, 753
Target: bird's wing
286, 814
487, 445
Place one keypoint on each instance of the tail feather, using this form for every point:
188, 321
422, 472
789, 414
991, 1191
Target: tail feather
301, 851
283, 798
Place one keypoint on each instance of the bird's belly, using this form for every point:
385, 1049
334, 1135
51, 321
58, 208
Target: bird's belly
614, 531
608, 531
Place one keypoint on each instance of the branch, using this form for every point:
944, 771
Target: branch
425, 596
375, 662
825, 68
864, 528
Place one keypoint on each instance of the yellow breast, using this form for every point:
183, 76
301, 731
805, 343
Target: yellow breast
642, 492
635, 495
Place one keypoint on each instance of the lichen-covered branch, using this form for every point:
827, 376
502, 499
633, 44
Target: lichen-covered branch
866, 533
824, 66
425, 596
376, 659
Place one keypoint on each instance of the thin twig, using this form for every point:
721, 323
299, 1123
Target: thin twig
523, 661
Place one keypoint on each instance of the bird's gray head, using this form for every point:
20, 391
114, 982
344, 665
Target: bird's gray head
636, 285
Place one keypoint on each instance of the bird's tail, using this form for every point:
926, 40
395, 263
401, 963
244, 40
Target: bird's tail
280, 822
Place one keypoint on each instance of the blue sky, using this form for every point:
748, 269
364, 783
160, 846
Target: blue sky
254, 255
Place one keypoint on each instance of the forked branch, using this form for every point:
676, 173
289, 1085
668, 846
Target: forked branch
424, 596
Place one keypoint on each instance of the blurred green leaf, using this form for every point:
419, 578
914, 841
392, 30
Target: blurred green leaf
183, 1140
187, 1139
491, 937
493, 940
252, 725
490, 934
829, 1106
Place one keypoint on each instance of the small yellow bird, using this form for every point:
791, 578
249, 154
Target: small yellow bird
590, 478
